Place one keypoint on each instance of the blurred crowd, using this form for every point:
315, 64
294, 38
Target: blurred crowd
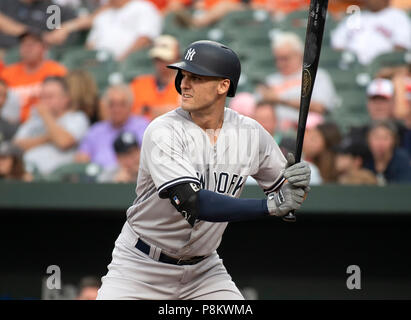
59, 123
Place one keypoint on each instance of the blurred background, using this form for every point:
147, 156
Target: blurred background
80, 80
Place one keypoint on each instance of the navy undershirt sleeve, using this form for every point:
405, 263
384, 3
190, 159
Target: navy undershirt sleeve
214, 207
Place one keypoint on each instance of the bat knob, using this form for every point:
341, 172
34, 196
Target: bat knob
290, 217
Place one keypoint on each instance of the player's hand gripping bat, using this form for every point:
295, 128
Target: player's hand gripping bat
313, 41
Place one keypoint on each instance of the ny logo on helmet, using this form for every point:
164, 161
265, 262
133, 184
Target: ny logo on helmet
190, 54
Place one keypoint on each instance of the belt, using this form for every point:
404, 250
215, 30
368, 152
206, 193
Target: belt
144, 247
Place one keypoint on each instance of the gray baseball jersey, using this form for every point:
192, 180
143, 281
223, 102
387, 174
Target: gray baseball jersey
175, 150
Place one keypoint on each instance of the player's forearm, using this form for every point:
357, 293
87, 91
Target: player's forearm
214, 207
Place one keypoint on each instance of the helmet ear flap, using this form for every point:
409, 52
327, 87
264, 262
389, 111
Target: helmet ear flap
177, 81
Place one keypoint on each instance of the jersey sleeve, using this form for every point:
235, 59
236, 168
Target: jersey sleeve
164, 156
271, 163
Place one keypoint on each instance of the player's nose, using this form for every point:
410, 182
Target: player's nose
185, 83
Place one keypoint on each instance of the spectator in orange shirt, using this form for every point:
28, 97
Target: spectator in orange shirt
25, 77
156, 94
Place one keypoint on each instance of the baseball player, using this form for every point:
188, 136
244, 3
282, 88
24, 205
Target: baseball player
193, 167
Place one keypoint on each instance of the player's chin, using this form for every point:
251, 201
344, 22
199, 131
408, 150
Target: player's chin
187, 105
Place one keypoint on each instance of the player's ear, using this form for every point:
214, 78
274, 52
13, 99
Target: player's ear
223, 86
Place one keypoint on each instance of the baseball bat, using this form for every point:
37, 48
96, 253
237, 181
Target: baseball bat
313, 40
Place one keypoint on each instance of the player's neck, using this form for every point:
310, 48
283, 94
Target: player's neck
209, 119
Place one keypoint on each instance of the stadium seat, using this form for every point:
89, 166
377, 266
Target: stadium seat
392, 59
12, 55
99, 63
136, 64
245, 18
76, 172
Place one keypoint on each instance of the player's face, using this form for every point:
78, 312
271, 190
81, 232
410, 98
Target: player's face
201, 92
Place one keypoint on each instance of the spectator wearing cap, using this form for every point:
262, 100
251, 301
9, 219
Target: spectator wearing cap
50, 137
7, 128
390, 163
127, 152
25, 77
155, 94
97, 146
380, 106
349, 160
126, 26
11, 163
376, 33
283, 88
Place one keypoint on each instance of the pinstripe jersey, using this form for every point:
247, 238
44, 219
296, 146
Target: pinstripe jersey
175, 150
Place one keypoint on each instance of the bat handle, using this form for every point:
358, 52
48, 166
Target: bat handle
290, 217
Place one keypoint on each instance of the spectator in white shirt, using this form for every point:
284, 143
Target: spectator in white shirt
377, 30
126, 26
50, 136
283, 89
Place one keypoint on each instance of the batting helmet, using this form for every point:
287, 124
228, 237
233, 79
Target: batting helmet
209, 58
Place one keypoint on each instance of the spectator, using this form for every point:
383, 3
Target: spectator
264, 114
127, 152
244, 103
284, 7
10, 27
28, 14
156, 94
97, 146
283, 89
349, 162
50, 136
380, 106
25, 77
318, 148
7, 129
402, 4
390, 163
88, 288
208, 12
376, 34
126, 26
84, 93
11, 163
166, 6
80, 23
